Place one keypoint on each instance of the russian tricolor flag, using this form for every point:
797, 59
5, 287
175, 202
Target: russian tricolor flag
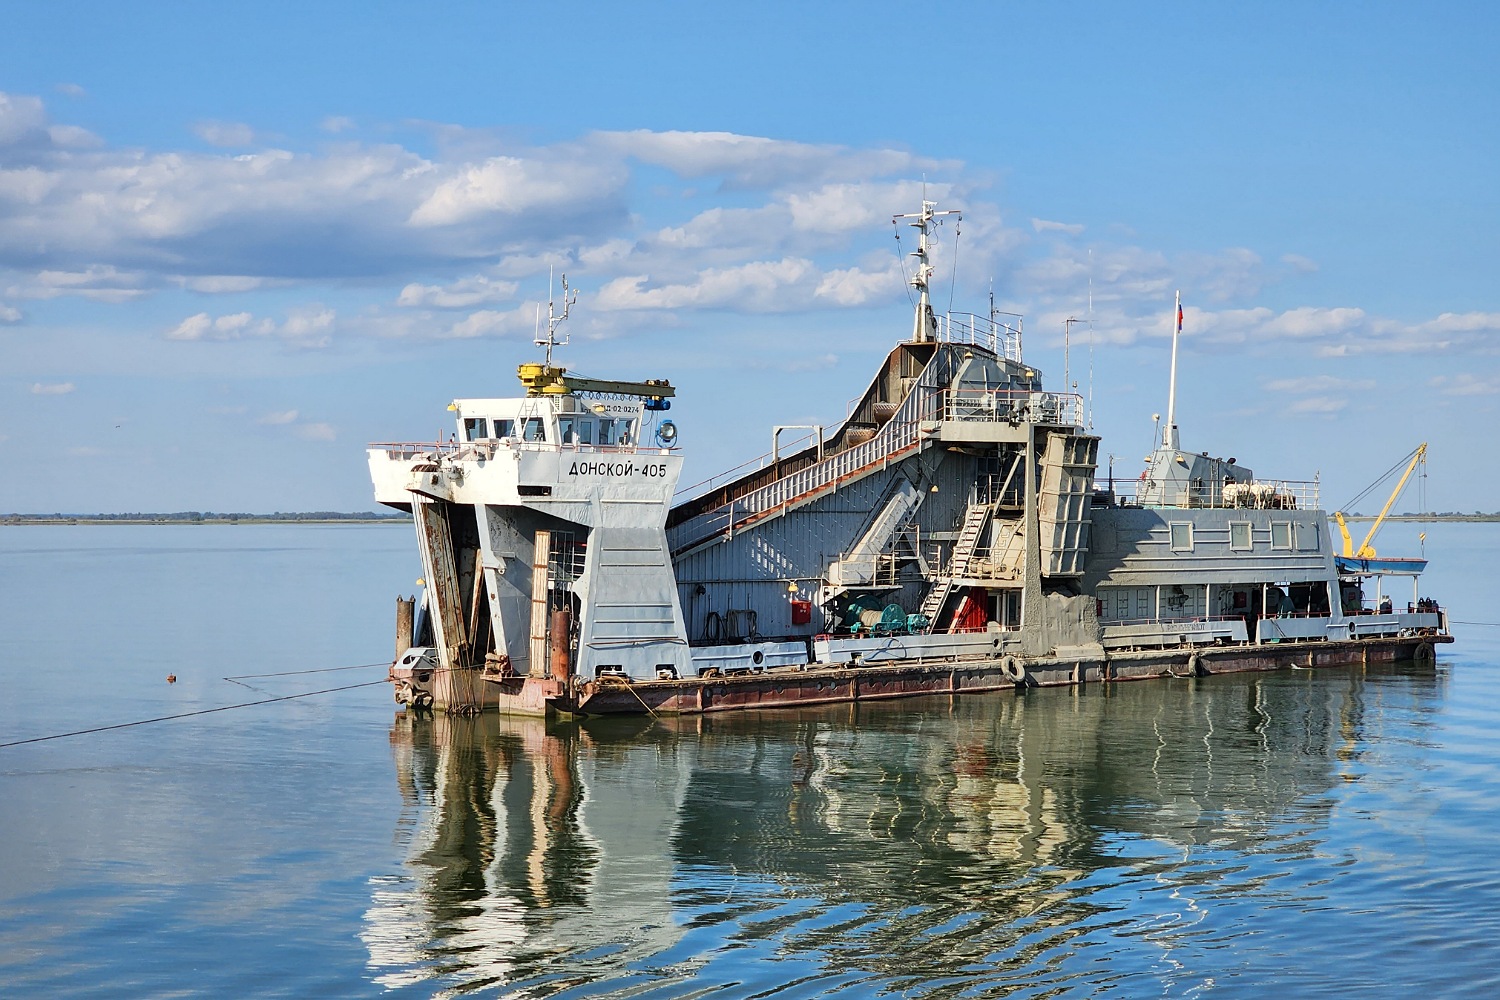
1179, 317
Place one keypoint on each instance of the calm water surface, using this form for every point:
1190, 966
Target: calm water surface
1316, 833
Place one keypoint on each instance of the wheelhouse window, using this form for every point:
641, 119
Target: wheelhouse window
505, 428
534, 429
475, 428
1239, 536
1181, 535
575, 430
1281, 535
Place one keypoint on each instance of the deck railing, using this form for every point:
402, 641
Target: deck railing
1263, 494
897, 437
988, 332
1008, 406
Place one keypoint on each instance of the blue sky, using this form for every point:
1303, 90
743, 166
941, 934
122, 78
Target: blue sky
237, 242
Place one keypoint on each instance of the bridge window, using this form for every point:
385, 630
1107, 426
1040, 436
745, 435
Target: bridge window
1281, 535
505, 428
474, 428
566, 430
534, 429
1182, 536
1239, 536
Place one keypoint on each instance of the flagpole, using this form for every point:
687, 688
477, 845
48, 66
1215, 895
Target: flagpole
1172, 440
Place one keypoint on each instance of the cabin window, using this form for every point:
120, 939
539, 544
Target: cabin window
585, 431
606, 431
625, 431
1281, 535
567, 431
534, 429
1239, 536
505, 428
1182, 536
474, 428
1307, 537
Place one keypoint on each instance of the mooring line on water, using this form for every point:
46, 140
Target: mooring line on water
315, 670
186, 715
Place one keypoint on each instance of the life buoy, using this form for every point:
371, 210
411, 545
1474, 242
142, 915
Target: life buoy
1195, 665
1424, 655
1014, 669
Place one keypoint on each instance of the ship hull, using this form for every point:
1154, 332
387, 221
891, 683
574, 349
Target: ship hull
818, 685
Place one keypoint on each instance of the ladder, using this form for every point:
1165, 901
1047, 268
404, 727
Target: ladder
975, 518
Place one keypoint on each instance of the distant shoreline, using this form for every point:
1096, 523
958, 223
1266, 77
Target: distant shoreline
371, 517
22, 520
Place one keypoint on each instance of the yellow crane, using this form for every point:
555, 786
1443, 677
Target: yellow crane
1365, 550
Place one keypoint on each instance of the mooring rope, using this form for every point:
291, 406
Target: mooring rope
186, 715
315, 670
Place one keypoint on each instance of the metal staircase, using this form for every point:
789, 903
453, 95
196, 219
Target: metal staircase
975, 518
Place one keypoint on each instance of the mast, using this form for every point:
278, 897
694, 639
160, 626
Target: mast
924, 326
1172, 439
549, 340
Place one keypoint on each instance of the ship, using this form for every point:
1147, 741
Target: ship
949, 536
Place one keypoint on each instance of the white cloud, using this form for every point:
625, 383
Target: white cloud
759, 286
51, 388
1329, 384
336, 124
226, 135
203, 327
856, 286
508, 185
756, 162
9, 314
223, 284
1300, 263
1048, 226
494, 323
309, 327
462, 294
71, 90
21, 117
99, 282
278, 418
1465, 384
316, 432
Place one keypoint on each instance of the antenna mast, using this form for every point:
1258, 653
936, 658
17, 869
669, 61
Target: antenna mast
1172, 439
924, 328
549, 340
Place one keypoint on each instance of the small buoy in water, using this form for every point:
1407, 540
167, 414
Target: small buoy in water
171, 678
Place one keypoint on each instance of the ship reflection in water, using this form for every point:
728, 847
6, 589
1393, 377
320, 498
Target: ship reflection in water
1062, 839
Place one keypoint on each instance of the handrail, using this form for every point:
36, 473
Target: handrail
1274, 494
898, 435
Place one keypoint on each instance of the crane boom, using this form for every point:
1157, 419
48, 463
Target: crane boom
1365, 551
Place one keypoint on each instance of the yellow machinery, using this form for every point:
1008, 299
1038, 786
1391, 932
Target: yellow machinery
1365, 550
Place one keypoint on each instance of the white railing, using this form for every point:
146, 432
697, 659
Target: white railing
982, 331
405, 451
1263, 494
893, 440
1008, 406
929, 401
